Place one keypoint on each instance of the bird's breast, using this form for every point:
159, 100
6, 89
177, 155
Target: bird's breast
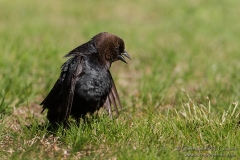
93, 85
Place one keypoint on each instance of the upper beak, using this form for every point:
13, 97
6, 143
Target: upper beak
120, 57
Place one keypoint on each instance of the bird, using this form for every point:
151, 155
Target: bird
85, 83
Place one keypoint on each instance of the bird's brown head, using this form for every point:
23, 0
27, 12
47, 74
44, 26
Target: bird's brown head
110, 47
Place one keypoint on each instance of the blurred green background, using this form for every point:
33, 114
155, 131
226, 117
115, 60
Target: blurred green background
190, 45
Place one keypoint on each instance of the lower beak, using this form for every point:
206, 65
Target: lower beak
121, 56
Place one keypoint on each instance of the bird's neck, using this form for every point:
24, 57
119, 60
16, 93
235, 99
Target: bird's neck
99, 61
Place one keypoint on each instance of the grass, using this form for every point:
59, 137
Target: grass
180, 91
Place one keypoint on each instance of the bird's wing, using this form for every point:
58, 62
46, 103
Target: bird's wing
112, 99
84, 49
59, 100
73, 69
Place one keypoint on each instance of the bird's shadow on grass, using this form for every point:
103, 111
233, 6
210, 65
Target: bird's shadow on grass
56, 128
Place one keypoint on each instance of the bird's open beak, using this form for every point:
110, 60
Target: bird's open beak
121, 56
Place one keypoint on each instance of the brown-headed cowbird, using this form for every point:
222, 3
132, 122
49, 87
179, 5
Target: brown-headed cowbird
85, 83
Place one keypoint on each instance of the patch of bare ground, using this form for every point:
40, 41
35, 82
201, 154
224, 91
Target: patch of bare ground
24, 115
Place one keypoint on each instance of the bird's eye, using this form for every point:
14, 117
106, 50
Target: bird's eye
117, 48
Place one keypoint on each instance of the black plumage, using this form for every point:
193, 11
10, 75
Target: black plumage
85, 83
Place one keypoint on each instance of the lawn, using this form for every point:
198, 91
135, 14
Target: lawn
180, 91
